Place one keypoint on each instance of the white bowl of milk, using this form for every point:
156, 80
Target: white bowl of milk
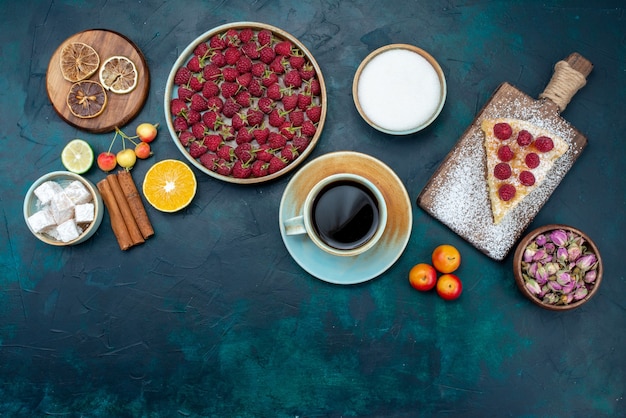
399, 89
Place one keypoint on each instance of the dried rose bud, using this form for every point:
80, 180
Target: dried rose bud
529, 253
564, 278
577, 274
541, 275
552, 268
590, 276
565, 299
541, 240
573, 252
586, 261
562, 255
568, 288
576, 239
558, 237
539, 255
550, 247
554, 286
580, 293
551, 298
533, 287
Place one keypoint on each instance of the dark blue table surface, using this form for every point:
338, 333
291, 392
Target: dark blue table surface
212, 317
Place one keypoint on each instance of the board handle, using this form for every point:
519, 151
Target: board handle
570, 75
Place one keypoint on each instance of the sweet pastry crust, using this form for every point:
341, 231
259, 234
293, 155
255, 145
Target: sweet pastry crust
500, 206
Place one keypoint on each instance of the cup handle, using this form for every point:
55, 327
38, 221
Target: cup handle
295, 226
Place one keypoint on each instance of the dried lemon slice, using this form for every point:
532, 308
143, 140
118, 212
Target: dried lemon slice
118, 74
86, 99
78, 61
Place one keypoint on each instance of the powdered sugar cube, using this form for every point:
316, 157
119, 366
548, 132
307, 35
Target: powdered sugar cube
84, 213
41, 220
52, 233
68, 231
62, 208
47, 190
77, 192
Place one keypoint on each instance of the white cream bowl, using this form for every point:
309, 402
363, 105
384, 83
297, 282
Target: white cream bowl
399, 89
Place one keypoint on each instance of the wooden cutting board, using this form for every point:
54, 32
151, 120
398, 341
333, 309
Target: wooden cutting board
120, 108
457, 192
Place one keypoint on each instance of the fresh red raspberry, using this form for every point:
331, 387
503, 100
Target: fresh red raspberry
314, 86
505, 154
260, 168
211, 72
544, 144
301, 143
197, 149
502, 131
527, 178
185, 138
180, 124
524, 138
230, 74
276, 164
532, 160
246, 35
502, 171
182, 76
506, 192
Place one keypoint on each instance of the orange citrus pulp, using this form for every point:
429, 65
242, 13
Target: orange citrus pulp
169, 185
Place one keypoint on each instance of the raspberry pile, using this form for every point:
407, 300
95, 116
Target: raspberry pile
524, 144
247, 103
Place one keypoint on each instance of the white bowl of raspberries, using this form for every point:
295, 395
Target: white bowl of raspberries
245, 102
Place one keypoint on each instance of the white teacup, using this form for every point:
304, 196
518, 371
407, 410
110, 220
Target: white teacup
343, 214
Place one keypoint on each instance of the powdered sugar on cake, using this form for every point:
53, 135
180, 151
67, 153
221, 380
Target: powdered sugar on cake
459, 196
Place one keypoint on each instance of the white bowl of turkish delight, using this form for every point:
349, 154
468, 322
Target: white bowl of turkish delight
62, 208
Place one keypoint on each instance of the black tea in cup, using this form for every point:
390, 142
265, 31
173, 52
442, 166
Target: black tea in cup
345, 214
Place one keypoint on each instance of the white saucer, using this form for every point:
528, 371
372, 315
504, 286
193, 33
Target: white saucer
372, 263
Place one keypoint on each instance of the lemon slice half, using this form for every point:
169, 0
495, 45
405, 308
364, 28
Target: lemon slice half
118, 74
169, 185
77, 156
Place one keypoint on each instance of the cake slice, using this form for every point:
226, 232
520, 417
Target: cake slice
519, 156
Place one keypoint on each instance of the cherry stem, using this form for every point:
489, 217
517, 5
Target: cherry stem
124, 137
113, 141
121, 133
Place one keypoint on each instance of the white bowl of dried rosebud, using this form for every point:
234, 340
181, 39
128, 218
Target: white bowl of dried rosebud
62, 208
558, 267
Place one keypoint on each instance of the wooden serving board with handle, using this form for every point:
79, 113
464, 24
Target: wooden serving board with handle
457, 192
120, 108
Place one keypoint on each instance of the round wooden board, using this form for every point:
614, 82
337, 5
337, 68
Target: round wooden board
120, 108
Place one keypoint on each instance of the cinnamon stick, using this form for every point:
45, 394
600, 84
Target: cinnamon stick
133, 230
136, 205
117, 222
